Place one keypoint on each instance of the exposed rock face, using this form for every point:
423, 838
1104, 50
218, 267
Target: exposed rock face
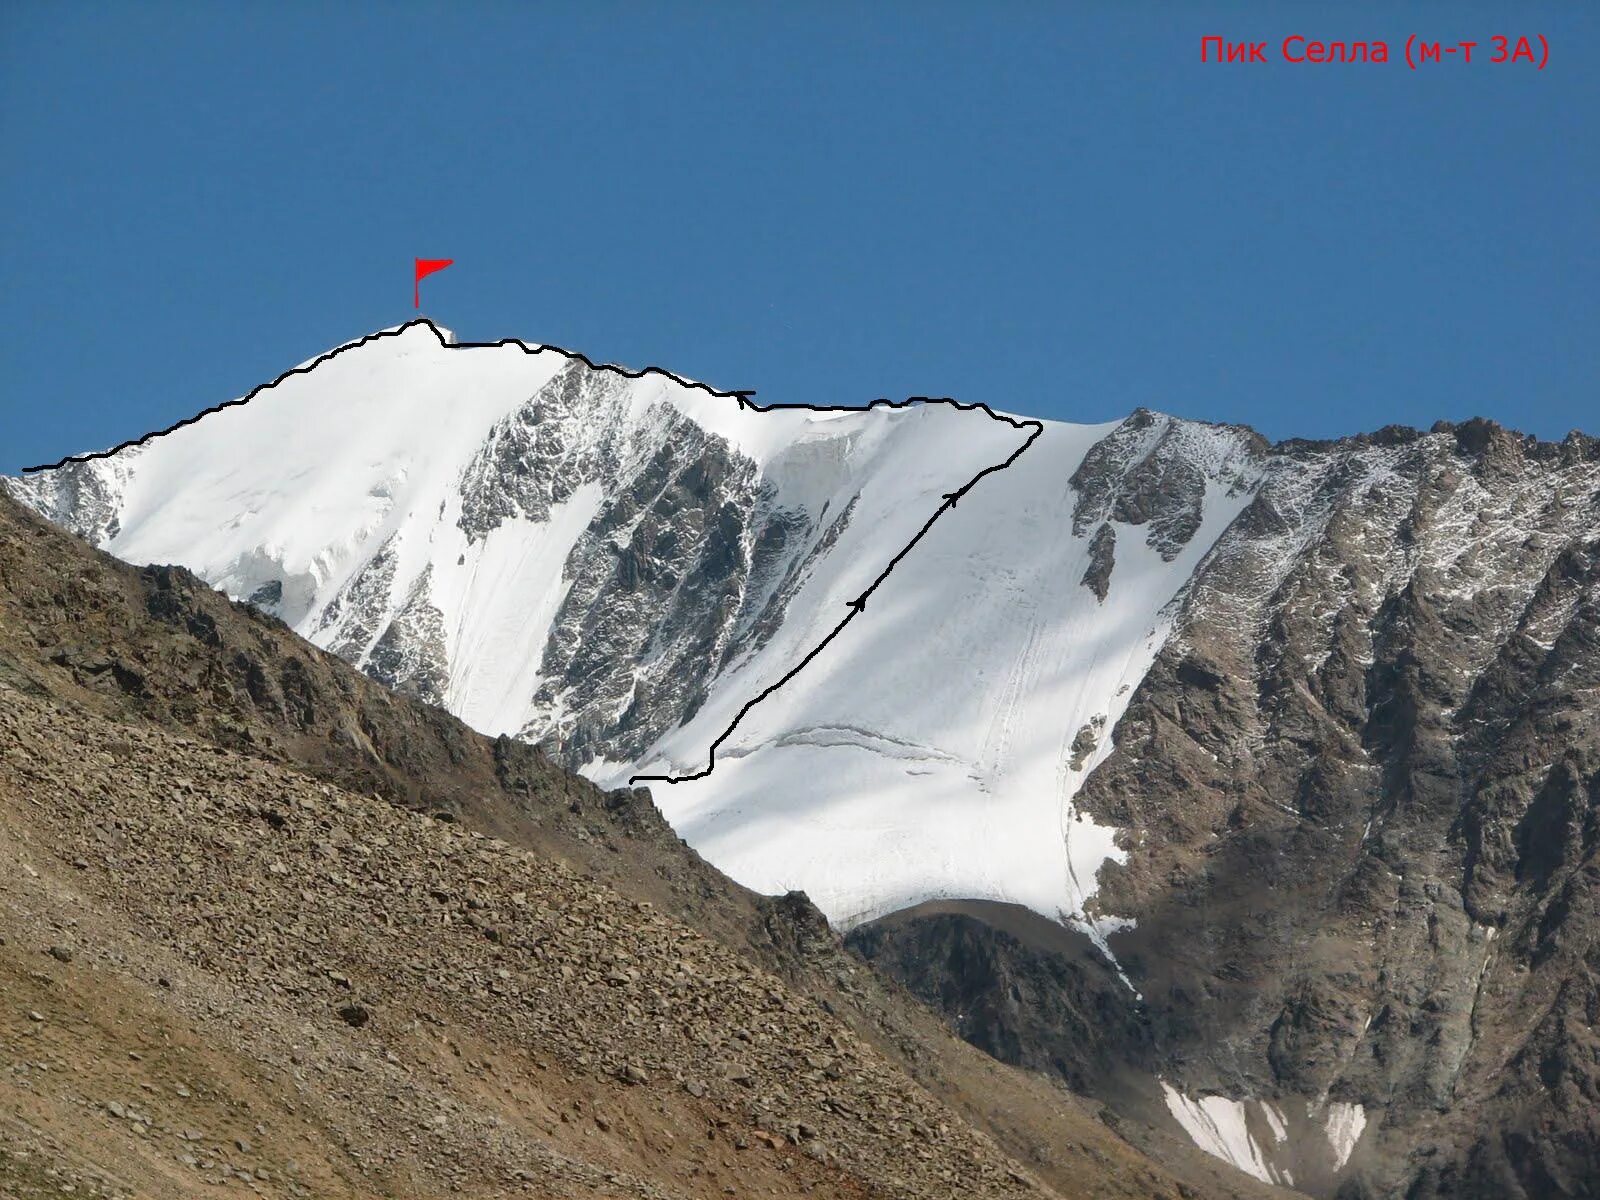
409, 656
1014, 984
1153, 470
687, 560
1102, 561
567, 434
1360, 783
82, 497
662, 576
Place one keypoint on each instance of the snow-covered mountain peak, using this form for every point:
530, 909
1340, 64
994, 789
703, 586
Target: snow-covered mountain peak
615, 564
446, 336
1302, 736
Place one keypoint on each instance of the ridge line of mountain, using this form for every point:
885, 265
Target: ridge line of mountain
308, 367
858, 605
1471, 429
742, 397
1471, 434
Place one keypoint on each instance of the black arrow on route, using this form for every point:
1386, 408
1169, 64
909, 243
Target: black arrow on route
741, 397
859, 604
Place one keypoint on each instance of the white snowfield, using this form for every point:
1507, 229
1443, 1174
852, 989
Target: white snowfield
1270, 1140
927, 752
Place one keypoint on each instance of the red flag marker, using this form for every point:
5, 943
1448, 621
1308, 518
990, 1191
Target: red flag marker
426, 266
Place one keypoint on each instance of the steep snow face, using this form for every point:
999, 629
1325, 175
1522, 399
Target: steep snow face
934, 749
615, 567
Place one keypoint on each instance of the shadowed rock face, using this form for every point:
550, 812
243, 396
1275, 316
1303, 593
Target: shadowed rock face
1361, 785
663, 584
688, 560
1022, 988
1102, 561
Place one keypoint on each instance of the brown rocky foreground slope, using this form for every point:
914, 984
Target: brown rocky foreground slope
243, 954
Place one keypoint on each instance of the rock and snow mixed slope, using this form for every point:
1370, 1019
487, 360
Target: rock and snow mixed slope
613, 566
1271, 1141
1363, 773
935, 748
1306, 734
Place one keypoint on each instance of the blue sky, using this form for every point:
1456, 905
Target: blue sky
1053, 208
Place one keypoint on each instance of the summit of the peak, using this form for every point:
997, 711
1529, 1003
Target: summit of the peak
416, 327
428, 325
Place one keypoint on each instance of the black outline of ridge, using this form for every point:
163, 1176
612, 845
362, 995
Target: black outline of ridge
856, 607
357, 344
859, 604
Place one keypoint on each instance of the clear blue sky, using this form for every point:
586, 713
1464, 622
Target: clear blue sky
1051, 207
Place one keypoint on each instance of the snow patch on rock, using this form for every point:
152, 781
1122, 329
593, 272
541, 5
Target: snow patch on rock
1267, 1140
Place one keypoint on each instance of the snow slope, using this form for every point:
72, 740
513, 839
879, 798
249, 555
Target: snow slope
929, 751
615, 566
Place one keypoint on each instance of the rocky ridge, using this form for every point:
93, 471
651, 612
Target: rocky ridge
1359, 793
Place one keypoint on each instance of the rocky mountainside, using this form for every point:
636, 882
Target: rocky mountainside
1289, 748
267, 928
1382, 716
1360, 790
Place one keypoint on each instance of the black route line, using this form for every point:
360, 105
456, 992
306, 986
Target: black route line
859, 604
856, 606
355, 345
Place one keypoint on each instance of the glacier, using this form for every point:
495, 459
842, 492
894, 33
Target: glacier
613, 564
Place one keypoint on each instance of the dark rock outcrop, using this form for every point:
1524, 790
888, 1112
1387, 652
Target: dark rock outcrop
1362, 789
